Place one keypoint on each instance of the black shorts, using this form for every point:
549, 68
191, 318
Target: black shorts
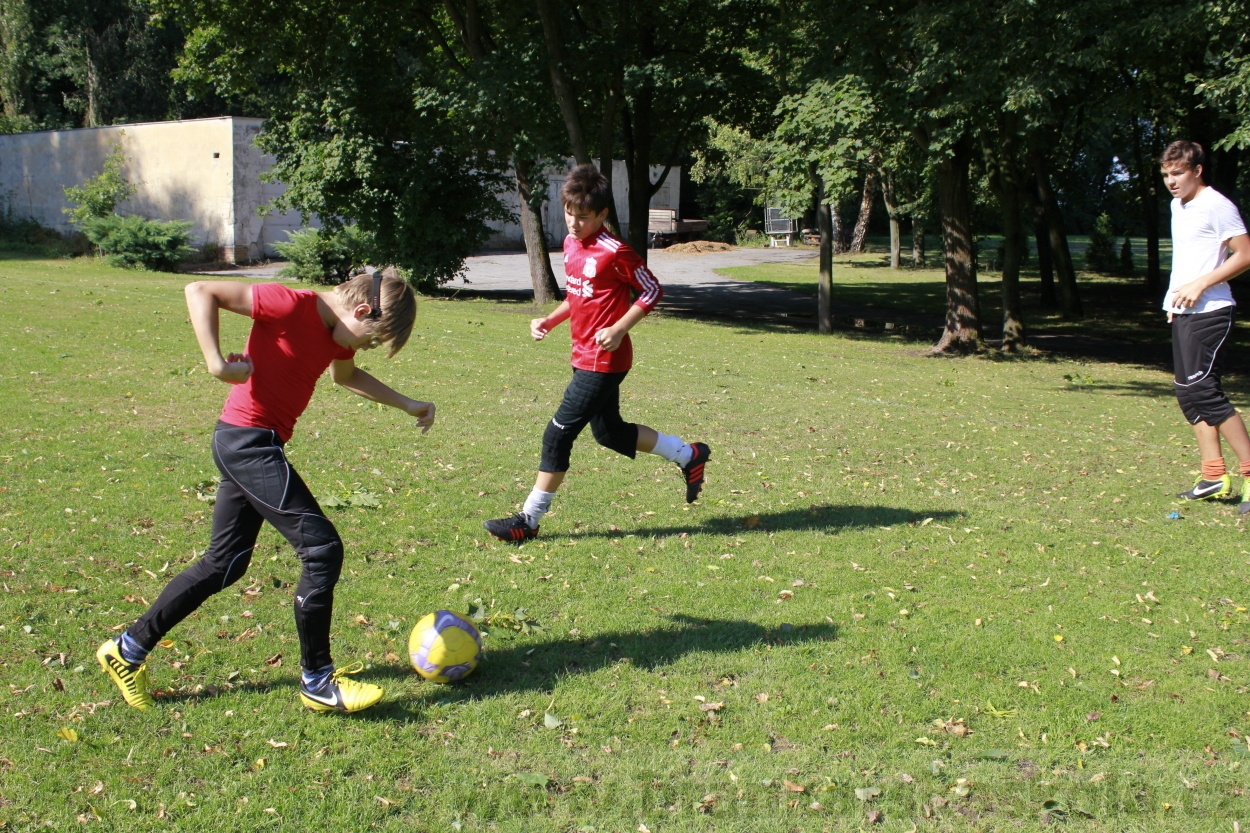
1199, 342
594, 399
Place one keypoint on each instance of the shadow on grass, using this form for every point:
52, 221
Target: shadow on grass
537, 666
527, 666
817, 517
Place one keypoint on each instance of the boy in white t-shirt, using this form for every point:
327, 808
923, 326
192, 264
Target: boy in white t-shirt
1209, 248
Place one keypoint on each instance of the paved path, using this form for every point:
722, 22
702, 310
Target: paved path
691, 285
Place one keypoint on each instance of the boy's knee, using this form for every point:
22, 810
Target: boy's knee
557, 447
621, 438
321, 549
1204, 401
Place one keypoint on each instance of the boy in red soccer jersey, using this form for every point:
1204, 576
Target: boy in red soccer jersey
295, 336
600, 272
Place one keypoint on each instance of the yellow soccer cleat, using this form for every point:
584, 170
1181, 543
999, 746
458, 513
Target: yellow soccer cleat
131, 680
340, 694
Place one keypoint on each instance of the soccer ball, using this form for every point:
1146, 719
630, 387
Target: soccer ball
444, 647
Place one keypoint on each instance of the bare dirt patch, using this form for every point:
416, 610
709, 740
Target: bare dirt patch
698, 247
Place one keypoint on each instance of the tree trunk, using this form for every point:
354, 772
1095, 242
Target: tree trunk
1045, 263
963, 310
859, 241
917, 242
824, 285
835, 228
1148, 192
1065, 272
546, 289
638, 162
561, 81
1014, 242
891, 209
607, 132
1149, 188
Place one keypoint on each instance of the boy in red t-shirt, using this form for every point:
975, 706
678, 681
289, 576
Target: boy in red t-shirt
295, 336
600, 273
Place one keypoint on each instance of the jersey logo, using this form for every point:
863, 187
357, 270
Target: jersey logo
589, 267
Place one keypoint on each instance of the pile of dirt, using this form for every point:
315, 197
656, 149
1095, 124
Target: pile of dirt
698, 247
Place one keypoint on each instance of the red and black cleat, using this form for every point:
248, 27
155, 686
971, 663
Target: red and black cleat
693, 471
514, 530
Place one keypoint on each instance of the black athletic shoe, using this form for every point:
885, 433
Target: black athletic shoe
515, 529
1207, 489
693, 471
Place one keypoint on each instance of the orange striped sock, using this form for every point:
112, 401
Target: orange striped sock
1213, 469
1245, 468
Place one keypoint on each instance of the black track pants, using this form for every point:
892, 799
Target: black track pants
257, 485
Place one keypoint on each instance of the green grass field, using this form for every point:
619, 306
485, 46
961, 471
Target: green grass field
918, 595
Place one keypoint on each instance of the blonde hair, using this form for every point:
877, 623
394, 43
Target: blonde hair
398, 303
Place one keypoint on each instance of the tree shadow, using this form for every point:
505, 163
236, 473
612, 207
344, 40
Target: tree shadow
537, 667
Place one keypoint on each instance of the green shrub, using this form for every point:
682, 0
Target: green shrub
24, 234
1100, 255
99, 195
323, 256
135, 243
1126, 258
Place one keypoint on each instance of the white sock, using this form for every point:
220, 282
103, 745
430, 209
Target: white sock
672, 449
537, 505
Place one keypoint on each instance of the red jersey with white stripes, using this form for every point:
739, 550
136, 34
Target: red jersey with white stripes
599, 273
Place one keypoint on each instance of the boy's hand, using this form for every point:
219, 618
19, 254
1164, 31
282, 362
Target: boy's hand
423, 411
538, 328
1187, 295
609, 339
236, 370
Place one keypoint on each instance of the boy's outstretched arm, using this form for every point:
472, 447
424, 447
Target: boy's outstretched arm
204, 300
539, 327
345, 372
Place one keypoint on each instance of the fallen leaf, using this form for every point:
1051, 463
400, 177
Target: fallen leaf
551, 721
793, 787
874, 816
67, 734
711, 707
867, 793
278, 744
751, 522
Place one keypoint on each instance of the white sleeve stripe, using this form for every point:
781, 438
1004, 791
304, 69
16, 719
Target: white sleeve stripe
650, 286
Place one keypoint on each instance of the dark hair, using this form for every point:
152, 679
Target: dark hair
586, 189
1182, 152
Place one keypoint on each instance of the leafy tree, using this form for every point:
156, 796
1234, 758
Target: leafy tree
1100, 254
366, 118
99, 195
648, 73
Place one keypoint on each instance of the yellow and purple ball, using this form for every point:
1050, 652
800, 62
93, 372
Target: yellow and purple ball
444, 647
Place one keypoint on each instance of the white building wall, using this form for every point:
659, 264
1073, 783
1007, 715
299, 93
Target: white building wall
206, 171
209, 171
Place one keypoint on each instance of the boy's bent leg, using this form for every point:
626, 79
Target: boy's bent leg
255, 460
235, 527
1198, 346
